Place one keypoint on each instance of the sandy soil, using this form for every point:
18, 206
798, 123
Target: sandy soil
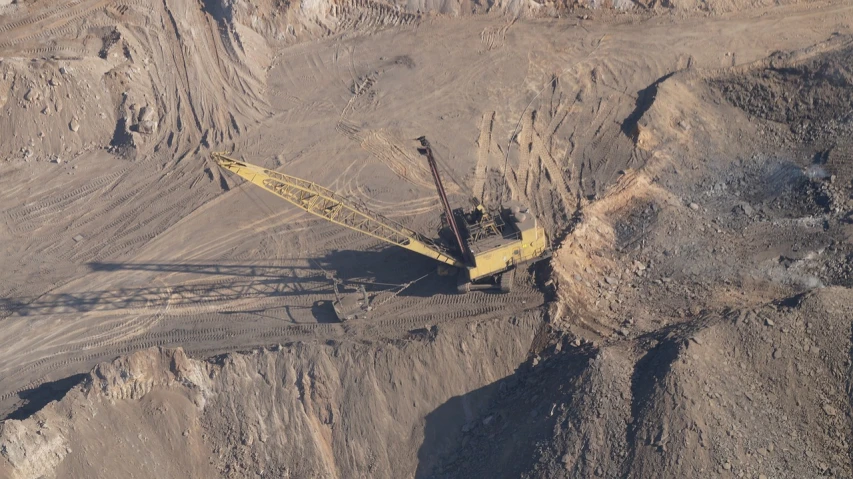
691, 164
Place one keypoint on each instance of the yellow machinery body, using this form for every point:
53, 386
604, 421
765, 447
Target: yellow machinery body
531, 245
497, 241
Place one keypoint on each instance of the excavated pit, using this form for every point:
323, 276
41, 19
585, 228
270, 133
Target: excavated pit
165, 320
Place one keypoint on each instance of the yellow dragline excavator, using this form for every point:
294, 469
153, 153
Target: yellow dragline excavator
486, 245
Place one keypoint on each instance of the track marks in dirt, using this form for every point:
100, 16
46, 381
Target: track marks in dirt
212, 332
26, 218
570, 142
493, 37
392, 151
390, 208
400, 156
484, 149
60, 21
14, 23
367, 16
52, 22
536, 165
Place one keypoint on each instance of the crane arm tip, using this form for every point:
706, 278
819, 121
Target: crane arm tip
222, 159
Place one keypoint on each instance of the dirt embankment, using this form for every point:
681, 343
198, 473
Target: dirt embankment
756, 392
704, 300
715, 281
319, 410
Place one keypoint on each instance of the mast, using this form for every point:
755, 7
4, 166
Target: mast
426, 150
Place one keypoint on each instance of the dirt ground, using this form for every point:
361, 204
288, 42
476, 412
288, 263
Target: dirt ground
691, 163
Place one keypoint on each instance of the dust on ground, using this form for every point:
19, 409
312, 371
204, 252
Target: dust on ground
691, 163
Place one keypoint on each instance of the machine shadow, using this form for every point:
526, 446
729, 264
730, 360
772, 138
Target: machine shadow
155, 296
204, 268
389, 269
386, 269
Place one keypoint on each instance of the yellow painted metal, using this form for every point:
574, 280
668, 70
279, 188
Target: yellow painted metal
333, 207
532, 245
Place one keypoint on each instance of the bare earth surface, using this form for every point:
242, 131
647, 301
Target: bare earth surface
692, 163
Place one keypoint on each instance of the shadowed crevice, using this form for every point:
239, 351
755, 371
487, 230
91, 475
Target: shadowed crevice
38, 397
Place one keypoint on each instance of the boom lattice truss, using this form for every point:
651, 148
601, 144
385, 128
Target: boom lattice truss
333, 207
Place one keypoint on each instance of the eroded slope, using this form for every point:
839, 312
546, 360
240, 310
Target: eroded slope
307, 409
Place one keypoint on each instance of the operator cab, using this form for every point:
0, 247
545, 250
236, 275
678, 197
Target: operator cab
484, 228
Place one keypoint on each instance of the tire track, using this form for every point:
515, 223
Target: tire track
493, 37
366, 16
25, 218
31, 19
220, 329
59, 51
483, 305
388, 148
484, 146
59, 27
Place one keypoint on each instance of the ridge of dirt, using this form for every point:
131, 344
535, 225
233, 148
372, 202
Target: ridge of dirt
303, 409
715, 395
